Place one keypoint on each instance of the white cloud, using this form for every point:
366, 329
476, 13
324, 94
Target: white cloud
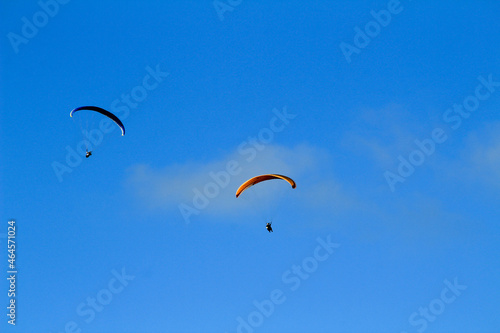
383, 134
209, 189
480, 159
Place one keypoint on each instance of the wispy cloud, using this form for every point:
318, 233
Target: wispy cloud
382, 133
184, 186
480, 158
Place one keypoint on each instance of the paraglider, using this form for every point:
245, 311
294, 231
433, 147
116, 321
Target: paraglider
103, 112
85, 119
258, 179
261, 178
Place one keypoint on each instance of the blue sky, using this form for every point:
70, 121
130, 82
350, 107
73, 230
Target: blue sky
394, 145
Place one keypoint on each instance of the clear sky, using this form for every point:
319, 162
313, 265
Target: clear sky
385, 113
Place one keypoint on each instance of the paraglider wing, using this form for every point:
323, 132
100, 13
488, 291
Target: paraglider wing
258, 179
103, 112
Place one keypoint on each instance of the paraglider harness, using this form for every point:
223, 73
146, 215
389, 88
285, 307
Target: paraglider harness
88, 153
268, 227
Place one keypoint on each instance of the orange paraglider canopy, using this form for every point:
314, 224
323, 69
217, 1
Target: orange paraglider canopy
258, 179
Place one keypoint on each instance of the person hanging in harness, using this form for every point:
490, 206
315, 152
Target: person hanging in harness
268, 227
88, 153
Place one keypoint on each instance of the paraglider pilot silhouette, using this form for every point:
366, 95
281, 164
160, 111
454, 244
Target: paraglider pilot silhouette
88, 153
268, 227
